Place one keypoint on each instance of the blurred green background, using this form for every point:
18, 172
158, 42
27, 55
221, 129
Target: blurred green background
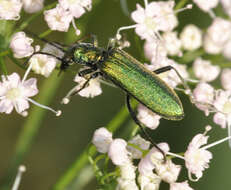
60, 140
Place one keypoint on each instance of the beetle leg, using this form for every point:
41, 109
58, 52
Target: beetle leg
187, 88
91, 36
75, 90
85, 72
184, 83
95, 40
133, 115
168, 68
111, 43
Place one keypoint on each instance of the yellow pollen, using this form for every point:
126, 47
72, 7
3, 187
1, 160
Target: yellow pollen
73, 1
227, 107
6, 5
41, 63
150, 23
13, 93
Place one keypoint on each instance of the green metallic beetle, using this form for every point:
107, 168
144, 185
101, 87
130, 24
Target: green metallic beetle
127, 73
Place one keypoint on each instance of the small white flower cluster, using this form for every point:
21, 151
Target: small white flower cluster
207, 98
219, 99
217, 38
16, 93
60, 17
10, 9
151, 168
40, 64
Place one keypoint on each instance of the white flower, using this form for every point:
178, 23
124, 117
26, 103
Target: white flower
43, 64
58, 18
146, 164
210, 46
147, 117
118, 152
93, 89
219, 31
172, 43
168, 18
206, 5
197, 158
191, 37
220, 119
225, 79
156, 16
168, 171
201, 68
32, 6
21, 45
128, 171
226, 50
222, 103
15, 93
10, 9
180, 186
149, 181
76, 7
154, 50
227, 6
204, 93
124, 184
141, 143
102, 139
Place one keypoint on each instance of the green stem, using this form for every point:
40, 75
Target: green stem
180, 4
31, 126
115, 173
44, 34
136, 147
82, 160
4, 53
190, 56
224, 65
3, 69
84, 177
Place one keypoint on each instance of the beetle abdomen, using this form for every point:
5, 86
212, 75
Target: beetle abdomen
142, 84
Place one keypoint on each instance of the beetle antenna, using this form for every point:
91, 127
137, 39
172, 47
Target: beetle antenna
43, 53
55, 44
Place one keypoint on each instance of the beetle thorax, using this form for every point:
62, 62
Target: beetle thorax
87, 55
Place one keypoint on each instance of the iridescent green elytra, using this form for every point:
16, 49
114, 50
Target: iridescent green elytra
129, 74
